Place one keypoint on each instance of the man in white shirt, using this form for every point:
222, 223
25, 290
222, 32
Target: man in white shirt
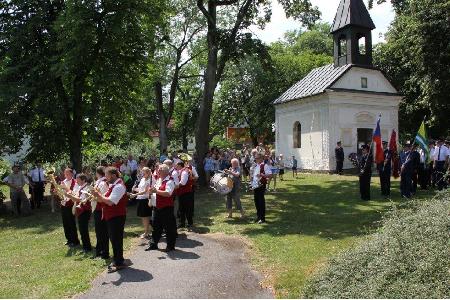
38, 185
16, 182
164, 219
261, 173
132, 163
173, 172
114, 213
441, 154
101, 227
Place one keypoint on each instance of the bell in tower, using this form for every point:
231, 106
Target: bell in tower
352, 34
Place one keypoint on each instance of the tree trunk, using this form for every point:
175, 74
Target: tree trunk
76, 130
163, 138
202, 132
184, 138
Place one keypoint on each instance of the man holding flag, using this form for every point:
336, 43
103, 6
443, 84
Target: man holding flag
424, 152
382, 160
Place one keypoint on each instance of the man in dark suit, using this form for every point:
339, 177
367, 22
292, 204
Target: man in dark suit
365, 174
384, 171
406, 171
339, 155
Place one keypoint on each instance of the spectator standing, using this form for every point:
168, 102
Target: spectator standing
281, 166
294, 167
339, 155
19, 201
38, 185
234, 195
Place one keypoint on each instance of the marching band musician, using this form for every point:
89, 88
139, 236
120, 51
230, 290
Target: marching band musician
68, 219
235, 172
185, 195
261, 173
144, 209
114, 213
164, 219
101, 228
82, 209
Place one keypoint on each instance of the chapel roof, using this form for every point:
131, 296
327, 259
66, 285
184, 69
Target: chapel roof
316, 82
352, 12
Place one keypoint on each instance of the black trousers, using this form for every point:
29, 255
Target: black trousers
38, 195
364, 186
164, 220
83, 227
423, 174
406, 184
69, 225
116, 228
260, 202
101, 233
186, 208
439, 175
339, 167
385, 181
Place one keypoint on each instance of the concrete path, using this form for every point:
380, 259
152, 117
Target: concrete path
203, 266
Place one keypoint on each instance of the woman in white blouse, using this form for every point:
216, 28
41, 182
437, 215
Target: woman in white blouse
142, 193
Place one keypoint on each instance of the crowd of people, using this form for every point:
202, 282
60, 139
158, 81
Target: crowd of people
417, 168
162, 188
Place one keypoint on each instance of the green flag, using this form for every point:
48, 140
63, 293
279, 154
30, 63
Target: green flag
422, 140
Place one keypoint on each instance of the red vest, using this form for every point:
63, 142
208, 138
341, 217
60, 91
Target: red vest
83, 206
263, 180
187, 188
115, 210
69, 203
100, 205
161, 201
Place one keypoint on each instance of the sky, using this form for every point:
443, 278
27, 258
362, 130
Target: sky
382, 15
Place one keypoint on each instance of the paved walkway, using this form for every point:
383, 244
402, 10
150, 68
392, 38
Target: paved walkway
203, 266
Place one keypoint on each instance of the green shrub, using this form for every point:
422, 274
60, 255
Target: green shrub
408, 257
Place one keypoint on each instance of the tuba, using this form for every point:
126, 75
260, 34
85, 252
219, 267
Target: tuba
50, 176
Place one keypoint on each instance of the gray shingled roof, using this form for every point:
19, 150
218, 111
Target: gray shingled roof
314, 83
352, 12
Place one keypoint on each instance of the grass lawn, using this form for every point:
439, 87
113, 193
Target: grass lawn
309, 219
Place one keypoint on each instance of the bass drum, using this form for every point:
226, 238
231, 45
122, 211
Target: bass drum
221, 183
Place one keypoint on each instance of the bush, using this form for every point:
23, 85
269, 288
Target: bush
408, 257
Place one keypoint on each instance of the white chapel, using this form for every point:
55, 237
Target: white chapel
337, 102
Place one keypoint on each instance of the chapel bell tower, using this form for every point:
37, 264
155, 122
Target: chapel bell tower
352, 34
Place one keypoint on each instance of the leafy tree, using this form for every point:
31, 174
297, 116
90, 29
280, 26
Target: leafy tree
70, 71
226, 21
416, 58
178, 44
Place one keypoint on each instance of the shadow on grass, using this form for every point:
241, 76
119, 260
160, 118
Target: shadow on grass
330, 209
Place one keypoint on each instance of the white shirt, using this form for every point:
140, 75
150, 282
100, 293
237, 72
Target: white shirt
101, 185
144, 184
133, 165
34, 174
174, 174
67, 183
432, 153
257, 172
125, 169
422, 155
16, 179
76, 191
117, 193
184, 177
441, 155
170, 187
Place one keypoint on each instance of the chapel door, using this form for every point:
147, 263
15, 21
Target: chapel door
364, 137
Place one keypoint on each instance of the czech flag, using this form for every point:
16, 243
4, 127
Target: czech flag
379, 153
394, 150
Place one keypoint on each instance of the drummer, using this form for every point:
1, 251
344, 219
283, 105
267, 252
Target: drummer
235, 173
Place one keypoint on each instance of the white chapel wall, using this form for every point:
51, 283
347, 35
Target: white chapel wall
313, 117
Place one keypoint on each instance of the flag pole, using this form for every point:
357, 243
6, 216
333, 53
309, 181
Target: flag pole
371, 143
412, 146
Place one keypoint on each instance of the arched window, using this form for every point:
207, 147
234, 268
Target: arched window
361, 44
342, 45
297, 135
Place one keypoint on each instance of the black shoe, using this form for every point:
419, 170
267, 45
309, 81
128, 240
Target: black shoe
256, 221
261, 221
181, 226
67, 243
87, 251
167, 250
151, 247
